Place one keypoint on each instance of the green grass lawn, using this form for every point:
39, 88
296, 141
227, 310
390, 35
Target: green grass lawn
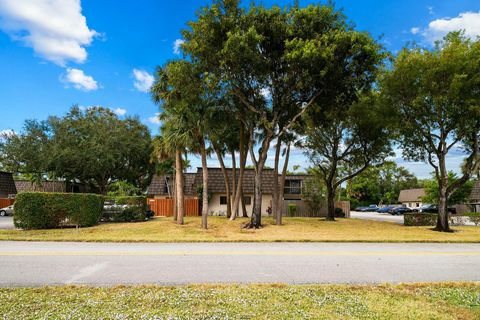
414, 301
221, 229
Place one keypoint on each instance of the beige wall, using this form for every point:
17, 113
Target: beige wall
215, 208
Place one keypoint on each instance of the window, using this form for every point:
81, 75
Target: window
223, 200
247, 200
293, 187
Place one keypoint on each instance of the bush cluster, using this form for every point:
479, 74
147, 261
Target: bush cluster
420, 219
41, 210
125, 209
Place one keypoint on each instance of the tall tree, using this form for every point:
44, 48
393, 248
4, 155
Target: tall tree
277, 62
186, 95
344, 141
91, 145
436, 99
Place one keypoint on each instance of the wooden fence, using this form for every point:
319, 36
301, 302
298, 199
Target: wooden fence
6, 202
165, 207
302, 209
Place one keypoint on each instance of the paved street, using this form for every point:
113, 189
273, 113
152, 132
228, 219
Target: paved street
50, 263
6, 222
376, 216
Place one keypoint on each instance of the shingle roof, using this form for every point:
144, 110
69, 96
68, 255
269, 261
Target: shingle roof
216, 181
411, 195
45, 186
475, 195
7, 185
157, 185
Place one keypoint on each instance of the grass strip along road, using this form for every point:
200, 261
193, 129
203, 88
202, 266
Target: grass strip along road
223, 230
406, 301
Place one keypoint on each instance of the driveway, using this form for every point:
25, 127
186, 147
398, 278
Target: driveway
107, 264
6, 223
376, 216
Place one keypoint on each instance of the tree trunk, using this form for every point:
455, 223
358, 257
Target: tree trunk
225, 178
244, 207
205, 184
234, 182
179, 185
278, 218
275, 194
243, 160
442, 179
256, 219
330, 203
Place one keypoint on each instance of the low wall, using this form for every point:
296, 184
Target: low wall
430, 219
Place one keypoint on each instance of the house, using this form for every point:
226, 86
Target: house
7, 185
162, 187
49, 186
411, 198
475, 197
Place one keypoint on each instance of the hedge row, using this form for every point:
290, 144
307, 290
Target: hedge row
125, 209
430, 219
420, 219
41, 210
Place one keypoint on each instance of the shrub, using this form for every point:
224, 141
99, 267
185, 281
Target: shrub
292, 209
40, 210
125, 209
420, 219
339, 213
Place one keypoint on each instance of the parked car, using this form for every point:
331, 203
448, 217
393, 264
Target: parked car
433, 208
385, 209
7, 211
399, 210
370, 208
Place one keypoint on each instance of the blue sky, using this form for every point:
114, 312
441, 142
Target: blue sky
56, 53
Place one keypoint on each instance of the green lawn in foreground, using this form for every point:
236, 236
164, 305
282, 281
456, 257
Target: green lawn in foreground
419, 301
221, 229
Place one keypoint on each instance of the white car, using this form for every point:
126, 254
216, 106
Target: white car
7, 211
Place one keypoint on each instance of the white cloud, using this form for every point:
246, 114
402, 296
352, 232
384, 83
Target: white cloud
430, 10
155, 119
79, 80
415, 30
7, 132
55, 29
468, 21
119, 111
176, 45
143, 80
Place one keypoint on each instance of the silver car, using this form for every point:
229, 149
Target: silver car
7, 211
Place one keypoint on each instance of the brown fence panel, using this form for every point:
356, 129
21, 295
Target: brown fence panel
192, 207
6, 202
165, 207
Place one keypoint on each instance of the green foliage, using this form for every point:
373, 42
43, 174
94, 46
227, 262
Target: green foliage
38, 210
125, 209
91, 145
420, 219
459, 196
292, 209
381, 184
123, 188
314, 192
199, 192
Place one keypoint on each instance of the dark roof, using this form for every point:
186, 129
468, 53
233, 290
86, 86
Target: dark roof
7, 185
45, 186
411, 195
475, 195
157, 185
216, 181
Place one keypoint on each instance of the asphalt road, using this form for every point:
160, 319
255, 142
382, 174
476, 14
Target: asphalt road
376, 216
6, 222
54, 263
